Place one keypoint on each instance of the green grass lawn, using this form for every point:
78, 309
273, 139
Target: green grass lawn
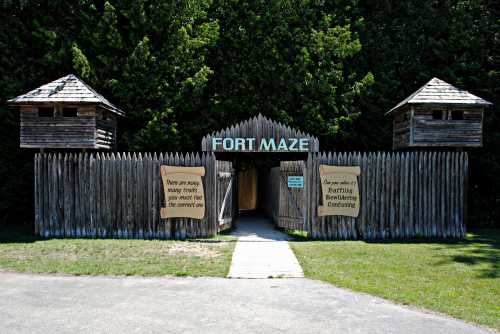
459, 278
207, 257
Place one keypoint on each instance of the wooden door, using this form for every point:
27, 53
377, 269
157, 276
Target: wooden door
225, 194
291, 206
247, 185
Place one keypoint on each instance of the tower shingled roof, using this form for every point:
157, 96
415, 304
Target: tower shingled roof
68, 89
439, 92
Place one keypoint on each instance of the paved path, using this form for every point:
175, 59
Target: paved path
262, 251
56, 304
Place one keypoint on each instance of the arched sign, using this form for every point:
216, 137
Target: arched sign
260, 134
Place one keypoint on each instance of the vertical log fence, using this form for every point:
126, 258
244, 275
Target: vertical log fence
115, 195
402, 195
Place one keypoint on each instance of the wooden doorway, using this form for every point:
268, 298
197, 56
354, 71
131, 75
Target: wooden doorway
248, 189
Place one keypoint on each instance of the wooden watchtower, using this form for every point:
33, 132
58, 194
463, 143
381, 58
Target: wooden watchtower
438, 115
66, 113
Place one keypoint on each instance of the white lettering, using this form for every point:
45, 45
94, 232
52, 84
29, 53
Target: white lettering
251, 143
215, 142
228, 144
239, 144
282, 145
303, 144
267, 146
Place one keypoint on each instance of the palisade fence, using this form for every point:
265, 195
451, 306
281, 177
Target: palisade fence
402, 195
115, 195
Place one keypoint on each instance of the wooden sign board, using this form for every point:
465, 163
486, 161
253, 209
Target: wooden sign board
339, 185
183, 188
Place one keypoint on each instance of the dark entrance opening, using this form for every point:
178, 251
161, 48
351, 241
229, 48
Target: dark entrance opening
248, 187
253, 178
257, 181
260, 169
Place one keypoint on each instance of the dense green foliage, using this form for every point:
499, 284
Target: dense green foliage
183, 68
290, 60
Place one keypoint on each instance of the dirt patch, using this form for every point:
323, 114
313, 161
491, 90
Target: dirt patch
194, 249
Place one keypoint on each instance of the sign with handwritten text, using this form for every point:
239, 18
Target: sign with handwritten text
339, 185
183, 188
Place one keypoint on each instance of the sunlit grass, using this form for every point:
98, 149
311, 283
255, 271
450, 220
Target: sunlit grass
208, 257
459, 278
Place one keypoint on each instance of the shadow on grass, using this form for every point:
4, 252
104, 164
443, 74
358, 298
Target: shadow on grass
481, 247
12, 234
295, 235
211, 241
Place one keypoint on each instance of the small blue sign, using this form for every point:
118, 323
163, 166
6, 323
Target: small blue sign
295, 182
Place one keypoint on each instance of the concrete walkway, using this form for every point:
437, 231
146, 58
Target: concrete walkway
56, 304
262, 251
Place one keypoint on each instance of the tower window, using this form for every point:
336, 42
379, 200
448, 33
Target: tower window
457, 115
45, 112
437, 114
70, 112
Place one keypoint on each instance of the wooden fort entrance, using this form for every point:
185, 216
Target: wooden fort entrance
255, 159
256, 165
253, 185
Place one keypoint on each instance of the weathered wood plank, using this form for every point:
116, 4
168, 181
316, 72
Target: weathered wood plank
402, 195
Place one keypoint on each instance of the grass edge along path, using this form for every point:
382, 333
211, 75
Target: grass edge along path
196, 258
457, 278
